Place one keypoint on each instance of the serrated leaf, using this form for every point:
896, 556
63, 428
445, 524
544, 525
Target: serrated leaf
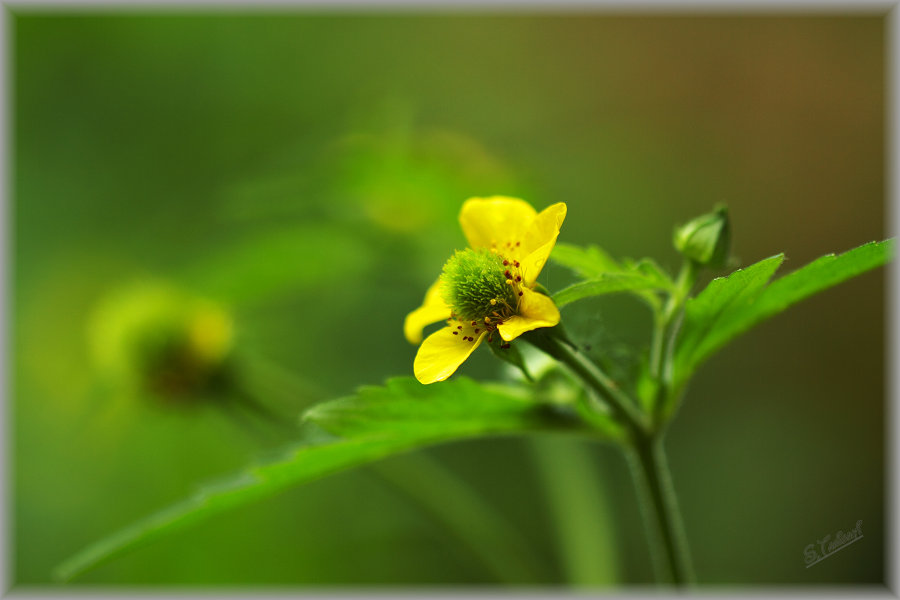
374, 423
605, 275
652, 271
723, 297
587, 262
818, 275
604, 284
731, 305
460, 408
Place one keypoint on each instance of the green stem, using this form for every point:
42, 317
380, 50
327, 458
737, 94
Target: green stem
665, 332
660, 506
645, 451
622, 405
656, 346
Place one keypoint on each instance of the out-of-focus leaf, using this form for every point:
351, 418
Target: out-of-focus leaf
731, 305
275, 262
581, 509
374, 423
477, 525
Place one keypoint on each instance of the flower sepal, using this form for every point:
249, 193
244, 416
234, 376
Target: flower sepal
545, 339
509, 352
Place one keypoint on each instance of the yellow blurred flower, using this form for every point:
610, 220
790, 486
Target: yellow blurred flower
154, 338
487, 289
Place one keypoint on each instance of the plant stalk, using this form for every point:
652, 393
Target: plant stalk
645, 451
622, 405
665, 332
665, 527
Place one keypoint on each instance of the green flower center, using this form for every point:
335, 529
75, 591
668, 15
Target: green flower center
478, 286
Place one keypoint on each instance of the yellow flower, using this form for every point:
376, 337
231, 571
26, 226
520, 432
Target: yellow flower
487, 289
152, 337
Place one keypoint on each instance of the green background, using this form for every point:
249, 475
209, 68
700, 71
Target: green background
306, 170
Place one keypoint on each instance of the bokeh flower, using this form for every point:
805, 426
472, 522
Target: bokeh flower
487, 290
153, 338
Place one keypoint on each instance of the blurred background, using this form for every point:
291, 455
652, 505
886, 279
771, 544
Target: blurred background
286, 184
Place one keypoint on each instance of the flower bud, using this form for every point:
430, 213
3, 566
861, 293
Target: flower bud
707, 239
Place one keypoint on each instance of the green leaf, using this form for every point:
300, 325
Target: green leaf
587, 262
731, 305
605, 275
433, 413
649, 269
604, 284
818, 275
724, 297
374, 423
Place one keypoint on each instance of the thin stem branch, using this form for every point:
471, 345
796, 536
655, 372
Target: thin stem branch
665, 332
472, 523
657, 344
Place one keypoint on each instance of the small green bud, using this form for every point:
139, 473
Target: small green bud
707, 239
476, 285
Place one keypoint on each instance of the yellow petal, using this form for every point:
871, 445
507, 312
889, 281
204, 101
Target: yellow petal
497, 219
540, 239
535, 311
433, 309
442, 352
